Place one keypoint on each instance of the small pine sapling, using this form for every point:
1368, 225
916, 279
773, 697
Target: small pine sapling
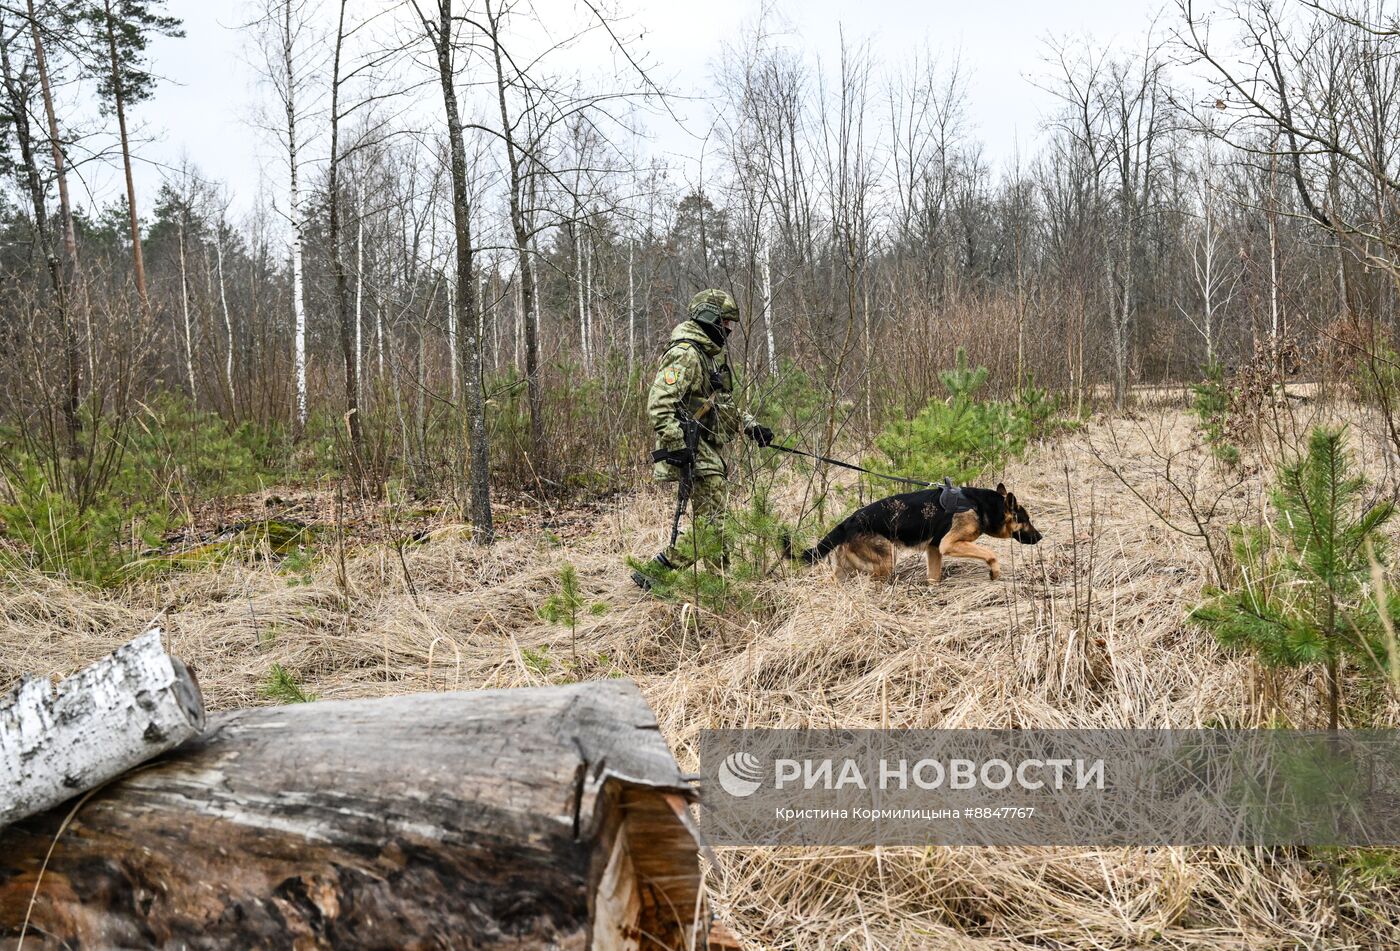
1210, 401
566, 604
1305, 592
282, 685
963, 435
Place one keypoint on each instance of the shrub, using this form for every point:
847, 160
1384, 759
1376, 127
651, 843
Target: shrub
792, 400
592, 425
173, 446
92, 545
168, 456
731, 557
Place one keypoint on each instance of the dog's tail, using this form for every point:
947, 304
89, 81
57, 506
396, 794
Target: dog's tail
823, 548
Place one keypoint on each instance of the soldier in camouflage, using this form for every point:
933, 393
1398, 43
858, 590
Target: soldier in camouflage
695, 380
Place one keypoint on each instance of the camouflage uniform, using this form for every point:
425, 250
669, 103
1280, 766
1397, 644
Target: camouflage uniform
693, 370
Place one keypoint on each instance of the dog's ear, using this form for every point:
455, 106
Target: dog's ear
1001, 488
1011, 501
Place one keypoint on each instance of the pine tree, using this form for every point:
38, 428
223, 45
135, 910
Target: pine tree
1304, 592
961, 436
566, 604
1210, 401
118, 32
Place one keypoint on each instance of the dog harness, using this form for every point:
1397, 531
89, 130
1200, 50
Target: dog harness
952, 499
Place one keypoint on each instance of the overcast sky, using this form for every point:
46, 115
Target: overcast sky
209, 92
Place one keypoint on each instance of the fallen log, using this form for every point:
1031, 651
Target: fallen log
130, 706
531, 818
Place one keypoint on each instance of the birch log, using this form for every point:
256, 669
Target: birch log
531, 818
132, 705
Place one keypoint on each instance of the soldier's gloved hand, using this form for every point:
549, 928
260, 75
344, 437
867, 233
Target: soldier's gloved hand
676, 457
759, 434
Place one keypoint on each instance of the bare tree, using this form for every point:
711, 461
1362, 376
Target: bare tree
1215, 272
439, 25
1324, 106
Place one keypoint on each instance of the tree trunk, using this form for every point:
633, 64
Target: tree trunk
534, 386
631, 307
520, 321
130, 706
379, 332
511, 819
344, 318
483, 530
359, 302
588, 331
578, 285
481, 299
294, 212
71, 422
766, 287
1275, 321
185, 310
228, 322
138, 266
452, 360
520, 191
18, 102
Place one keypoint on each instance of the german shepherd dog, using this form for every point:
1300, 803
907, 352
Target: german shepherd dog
866, 540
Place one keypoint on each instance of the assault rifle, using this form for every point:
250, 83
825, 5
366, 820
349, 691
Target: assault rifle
690, 429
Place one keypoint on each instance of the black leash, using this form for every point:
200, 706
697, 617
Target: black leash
847, 465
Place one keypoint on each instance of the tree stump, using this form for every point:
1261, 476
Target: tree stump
531, 818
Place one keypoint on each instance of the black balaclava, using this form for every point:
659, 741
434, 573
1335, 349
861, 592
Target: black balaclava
716, 331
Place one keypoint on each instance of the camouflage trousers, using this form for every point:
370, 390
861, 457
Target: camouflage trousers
707, 506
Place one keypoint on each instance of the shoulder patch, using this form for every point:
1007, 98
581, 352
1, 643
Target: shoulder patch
671, 375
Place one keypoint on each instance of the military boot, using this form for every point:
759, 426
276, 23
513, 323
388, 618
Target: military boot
644, 581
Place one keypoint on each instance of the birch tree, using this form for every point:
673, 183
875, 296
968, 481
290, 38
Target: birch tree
290, 61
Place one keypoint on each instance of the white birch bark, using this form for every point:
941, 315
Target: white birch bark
544, 815
130, 706
228, 321
359, 305
578, 283
1273, 285
298, 305
185, 309
481, 320
588, 301
766, 287
298, 279
452, 334
519, 321
631, 306
379, 332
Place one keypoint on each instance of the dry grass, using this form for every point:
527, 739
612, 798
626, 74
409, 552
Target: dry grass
970, 653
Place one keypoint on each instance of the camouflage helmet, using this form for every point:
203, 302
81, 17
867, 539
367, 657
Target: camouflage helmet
713, 306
